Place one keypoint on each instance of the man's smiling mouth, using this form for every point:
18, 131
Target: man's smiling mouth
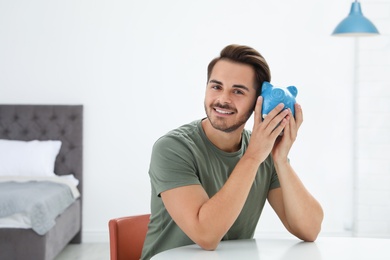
223, 111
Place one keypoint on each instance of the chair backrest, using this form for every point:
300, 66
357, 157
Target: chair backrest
127, 236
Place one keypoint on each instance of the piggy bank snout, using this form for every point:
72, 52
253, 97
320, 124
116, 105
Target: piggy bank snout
277, 94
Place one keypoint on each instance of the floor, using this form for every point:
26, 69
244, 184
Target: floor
85, 251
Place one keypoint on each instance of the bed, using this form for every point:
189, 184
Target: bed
43, 124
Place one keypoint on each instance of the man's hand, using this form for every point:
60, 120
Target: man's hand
284, 143
265, 132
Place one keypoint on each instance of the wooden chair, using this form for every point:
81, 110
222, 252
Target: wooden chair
127, 235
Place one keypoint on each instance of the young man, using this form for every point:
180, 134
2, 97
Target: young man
210, 178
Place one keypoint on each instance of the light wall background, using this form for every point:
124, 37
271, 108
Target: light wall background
139, 69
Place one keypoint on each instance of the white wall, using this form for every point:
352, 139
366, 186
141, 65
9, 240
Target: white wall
372, 185
139, 68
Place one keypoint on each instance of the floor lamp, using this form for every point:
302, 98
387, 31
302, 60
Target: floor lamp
355, 25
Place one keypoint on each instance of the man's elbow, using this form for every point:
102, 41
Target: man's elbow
309, 234
311, 230
208, 244
310, 237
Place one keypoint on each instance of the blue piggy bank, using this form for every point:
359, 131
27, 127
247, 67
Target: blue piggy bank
272, 96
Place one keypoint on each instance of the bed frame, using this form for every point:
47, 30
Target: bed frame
46, 122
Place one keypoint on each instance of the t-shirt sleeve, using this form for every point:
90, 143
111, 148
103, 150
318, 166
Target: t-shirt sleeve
274, 177
274, 181
172, 165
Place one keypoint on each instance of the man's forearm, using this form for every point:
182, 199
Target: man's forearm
222, 210
303, 212
206, 220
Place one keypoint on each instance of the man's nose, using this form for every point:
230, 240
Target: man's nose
225, 97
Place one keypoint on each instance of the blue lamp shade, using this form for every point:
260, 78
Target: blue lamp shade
355, 24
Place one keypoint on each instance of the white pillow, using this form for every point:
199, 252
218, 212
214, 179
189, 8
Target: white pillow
28, 158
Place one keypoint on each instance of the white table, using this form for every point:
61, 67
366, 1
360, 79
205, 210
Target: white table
324, 248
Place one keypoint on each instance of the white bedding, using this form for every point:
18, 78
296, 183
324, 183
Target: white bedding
69, 180
21, 220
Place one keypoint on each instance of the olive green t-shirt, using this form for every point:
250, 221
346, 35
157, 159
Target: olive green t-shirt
185, 156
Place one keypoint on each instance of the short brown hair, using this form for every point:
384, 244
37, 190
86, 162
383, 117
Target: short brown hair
246, 55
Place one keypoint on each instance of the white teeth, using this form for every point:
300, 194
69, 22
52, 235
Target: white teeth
223, 112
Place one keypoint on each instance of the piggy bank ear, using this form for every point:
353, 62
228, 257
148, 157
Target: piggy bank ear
265, 86
293, 90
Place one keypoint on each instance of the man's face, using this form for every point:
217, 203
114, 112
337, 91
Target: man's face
230, 95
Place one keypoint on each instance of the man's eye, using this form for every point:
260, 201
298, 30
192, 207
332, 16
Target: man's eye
238, 92
216, 87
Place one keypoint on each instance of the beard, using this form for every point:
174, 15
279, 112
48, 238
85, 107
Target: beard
222, 124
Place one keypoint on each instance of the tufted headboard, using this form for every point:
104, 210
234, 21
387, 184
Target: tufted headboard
48, 122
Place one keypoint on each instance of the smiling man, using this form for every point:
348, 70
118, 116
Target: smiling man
211, 178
